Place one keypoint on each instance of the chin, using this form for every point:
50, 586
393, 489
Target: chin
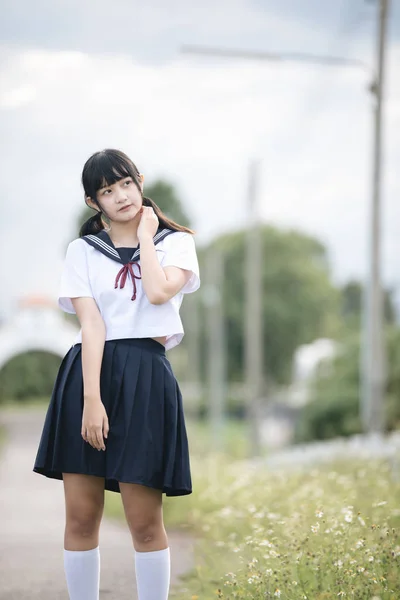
126, 216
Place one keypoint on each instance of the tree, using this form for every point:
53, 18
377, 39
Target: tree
299, 301
334, 408
352, 302
164, 195
28, 375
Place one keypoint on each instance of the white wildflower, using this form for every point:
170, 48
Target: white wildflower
348, 517
338, 564
265, 543
226, 511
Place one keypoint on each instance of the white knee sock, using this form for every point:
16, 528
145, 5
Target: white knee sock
82, 570
153, 574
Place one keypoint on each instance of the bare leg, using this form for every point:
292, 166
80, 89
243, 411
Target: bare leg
84, 504
143, 511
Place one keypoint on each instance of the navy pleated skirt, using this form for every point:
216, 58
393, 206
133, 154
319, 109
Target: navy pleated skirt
147, 442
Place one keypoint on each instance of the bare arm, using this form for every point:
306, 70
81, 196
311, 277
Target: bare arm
159, 284
94, 419
93, 338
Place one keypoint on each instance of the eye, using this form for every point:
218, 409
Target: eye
128, 182
106, 192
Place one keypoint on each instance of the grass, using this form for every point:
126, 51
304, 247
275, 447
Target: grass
315, 534
3, 436
319, 534
35, 403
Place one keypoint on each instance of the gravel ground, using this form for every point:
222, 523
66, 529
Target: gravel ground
32, 527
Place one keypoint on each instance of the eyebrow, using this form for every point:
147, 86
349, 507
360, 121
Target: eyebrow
104, 187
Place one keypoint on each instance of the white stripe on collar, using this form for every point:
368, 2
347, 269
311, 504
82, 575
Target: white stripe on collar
105, 248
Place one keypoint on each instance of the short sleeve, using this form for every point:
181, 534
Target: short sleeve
181, 252
74, 281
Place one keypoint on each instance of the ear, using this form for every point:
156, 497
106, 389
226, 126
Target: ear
90, 203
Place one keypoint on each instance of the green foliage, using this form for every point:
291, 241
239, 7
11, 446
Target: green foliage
320, 533
28, 376
167, 199
299, 301
352, 302
335, 405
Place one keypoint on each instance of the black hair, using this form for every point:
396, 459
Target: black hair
106, 168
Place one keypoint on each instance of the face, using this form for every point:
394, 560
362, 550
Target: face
120, 201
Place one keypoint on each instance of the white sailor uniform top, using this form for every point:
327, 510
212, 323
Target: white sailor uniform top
93, 268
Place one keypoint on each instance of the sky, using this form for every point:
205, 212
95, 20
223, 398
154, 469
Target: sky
77, 76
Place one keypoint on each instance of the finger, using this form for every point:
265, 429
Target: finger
106, 428
99, 440
94, 441
92, 438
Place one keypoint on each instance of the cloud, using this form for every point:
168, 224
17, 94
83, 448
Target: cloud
152, 31
197, 123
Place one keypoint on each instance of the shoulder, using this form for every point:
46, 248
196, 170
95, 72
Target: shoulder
77, 248
77, 243
177, 239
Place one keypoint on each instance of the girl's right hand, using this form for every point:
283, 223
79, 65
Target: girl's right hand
94, 424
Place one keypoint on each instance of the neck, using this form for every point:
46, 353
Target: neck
125, 234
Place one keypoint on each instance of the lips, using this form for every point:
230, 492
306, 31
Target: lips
124, 207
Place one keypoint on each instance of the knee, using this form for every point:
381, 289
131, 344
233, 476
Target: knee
144, 532
83, 522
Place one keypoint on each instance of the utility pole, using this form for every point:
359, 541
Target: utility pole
253, 317
216, 344
373, 351
372, 367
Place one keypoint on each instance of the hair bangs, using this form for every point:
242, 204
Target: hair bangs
106, 168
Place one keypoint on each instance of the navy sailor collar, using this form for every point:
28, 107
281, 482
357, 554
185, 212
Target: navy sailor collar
102, 242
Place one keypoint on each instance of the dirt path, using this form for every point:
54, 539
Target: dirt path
32, 528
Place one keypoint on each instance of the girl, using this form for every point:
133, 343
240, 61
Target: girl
115, 420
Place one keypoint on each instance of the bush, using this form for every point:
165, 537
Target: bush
28, 376
334, 409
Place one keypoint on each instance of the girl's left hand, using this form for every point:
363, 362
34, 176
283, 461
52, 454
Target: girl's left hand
148, 223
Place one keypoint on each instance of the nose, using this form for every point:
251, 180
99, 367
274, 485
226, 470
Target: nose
122, 196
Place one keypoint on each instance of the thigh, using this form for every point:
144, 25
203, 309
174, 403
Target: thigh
84, 495
142, 504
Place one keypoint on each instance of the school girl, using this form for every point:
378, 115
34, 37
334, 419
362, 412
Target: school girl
115, 420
